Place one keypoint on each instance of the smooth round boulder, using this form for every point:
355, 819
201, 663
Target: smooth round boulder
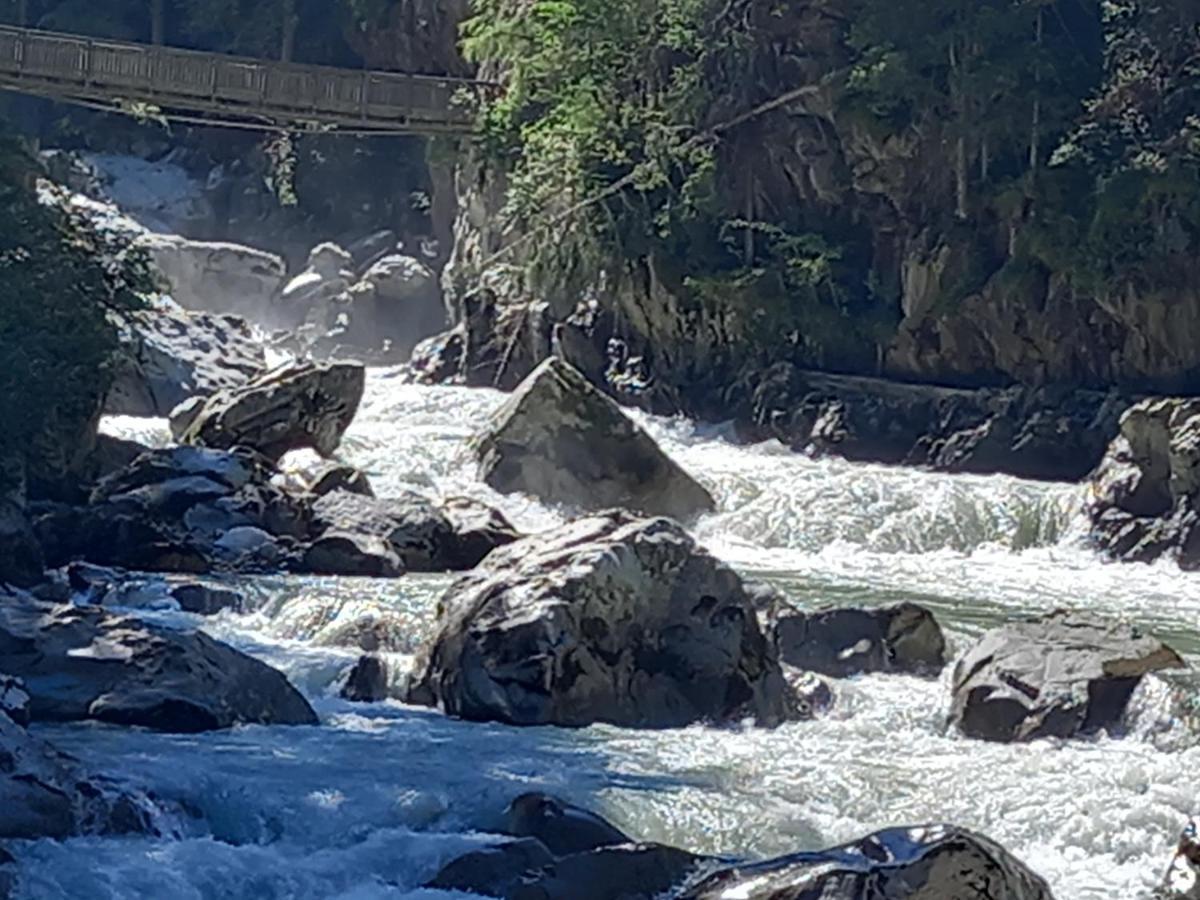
1061, 675
610, 618
561, 826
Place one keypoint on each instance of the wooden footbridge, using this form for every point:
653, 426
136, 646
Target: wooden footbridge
218, 89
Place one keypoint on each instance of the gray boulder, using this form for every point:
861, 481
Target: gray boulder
840, 642
562, 440
1144, 501
83, 662
217, 277
299, 404
931, 862
46, 794
407, 528
1058, 676
169, 356
14, 699
611, 618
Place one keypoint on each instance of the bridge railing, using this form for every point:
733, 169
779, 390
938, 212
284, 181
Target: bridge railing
144, 72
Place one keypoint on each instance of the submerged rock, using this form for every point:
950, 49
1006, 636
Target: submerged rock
47, 794
839, 642
297, 405
83, 662
611, 618
169, 356
1058, 676
932, 862
562, 440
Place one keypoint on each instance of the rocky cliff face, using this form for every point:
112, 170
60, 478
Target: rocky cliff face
951, 301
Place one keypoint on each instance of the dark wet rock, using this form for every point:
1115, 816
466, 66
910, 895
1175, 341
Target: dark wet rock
479, 528
112, 454
809, 695
14, 699
205, 600
840, 642
47, 794
367, 681
417, 533
1025, 432
561, 827
83, 662
499, 871
21, 556
438, 359
170, 355
332, 476
1182, 881
562, 440
104, 586
626, 872
352, 555
1058, 676
611, 618
299, 404
933, 862
1145, 496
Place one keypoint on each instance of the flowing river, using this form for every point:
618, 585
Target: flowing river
371, 803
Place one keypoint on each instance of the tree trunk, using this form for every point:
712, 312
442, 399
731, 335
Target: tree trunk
961, 175
291, 23
158, 22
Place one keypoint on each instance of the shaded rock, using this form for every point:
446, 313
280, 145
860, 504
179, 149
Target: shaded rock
14, 699
182, 416
626, 872
561, 827
841, 642
367, 681
46, 794
499, 871
217, 277
95, 585
21, 558
479, 528
205, 600
610, 618
413, 530
1058, 676
562, 440
1145, 496
297, 405
83, 662
340, 553
397, 302
112, 454
169, 356
438, 359
111, 537
1182, 881
932, 862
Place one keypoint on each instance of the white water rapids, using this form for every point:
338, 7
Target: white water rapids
371, 803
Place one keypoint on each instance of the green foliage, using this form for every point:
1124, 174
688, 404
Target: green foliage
63, 286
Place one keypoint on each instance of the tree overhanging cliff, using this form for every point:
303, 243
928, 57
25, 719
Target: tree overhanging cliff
967, 192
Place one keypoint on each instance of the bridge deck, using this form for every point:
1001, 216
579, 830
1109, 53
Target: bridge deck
246, 90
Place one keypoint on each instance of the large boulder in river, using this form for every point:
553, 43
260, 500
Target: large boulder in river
297, 405
611, 618
217, 277
1145, 497
931, 862
839, 642
562, 440
47, 794
407, 529
84, 662
1058, 676
170, 355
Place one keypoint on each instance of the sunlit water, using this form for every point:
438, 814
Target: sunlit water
371, 802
